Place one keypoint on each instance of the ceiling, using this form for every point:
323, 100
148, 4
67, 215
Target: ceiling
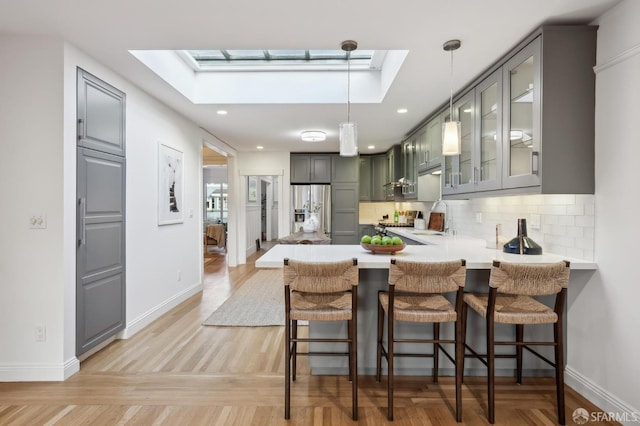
488, 29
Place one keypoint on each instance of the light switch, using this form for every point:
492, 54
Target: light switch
38, 221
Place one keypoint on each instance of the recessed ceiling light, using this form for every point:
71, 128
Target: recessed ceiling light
402, 110
313, 136
221, 112
437, 172
371, 147
259, 147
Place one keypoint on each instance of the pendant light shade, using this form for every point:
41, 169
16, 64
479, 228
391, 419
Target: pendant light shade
451, 139
348, 139
451, 130
348, 130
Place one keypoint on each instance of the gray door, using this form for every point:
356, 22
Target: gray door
100, 256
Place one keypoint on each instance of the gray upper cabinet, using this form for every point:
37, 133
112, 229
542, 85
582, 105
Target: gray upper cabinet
379, 176
310, 168
549, 100
429, 145
365, 178
409, 170
373, 177
528, 121
478, 167
101, 115
344, 169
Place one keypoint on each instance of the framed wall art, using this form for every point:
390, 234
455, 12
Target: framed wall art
170, 185
252, 189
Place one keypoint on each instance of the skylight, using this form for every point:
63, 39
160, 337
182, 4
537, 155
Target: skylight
280, 60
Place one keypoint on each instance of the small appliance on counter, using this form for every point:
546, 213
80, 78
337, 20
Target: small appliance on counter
522, 244
419, 222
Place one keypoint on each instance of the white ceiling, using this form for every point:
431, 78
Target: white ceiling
107, 30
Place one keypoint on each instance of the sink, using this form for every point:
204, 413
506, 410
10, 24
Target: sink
428, 234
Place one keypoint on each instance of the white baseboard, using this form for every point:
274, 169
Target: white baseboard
39, 372
156, 312
598, 396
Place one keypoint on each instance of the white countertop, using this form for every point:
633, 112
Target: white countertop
439, 248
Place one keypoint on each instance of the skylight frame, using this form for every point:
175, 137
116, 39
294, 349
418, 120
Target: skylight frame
279, 60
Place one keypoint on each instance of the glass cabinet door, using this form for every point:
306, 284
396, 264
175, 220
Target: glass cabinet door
522, 117
463, 110
488, 168
433, 142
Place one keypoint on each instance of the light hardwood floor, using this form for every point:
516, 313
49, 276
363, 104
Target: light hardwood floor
178, 372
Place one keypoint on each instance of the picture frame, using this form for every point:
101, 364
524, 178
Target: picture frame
252, 189
170, 185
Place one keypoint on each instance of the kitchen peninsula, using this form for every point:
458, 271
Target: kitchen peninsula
374, 275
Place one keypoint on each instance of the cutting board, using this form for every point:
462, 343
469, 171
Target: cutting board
436, 222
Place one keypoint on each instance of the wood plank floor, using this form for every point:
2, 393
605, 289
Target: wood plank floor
178, 372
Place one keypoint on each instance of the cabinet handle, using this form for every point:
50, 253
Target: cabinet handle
80, 129
536, 155
82, 212
475, 175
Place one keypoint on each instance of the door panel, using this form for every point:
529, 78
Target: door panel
101, 115
100, 278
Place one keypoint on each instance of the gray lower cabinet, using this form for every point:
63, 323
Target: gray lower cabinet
366, 229
344, 213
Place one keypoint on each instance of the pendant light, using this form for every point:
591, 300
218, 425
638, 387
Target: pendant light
451, 130
349, 130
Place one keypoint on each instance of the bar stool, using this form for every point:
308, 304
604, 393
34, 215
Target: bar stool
320, 291
415, 295
509, 302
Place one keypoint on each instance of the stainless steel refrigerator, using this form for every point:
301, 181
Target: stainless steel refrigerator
308, 199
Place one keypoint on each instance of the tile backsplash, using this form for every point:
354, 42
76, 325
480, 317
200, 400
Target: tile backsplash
566, 221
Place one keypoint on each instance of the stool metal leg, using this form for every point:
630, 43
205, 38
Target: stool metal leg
390, 350
287, 369
491, 369
294, 363
559, 361
519, 339
436, 351
379, 345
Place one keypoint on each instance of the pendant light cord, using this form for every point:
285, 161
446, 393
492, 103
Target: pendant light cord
348, 87
451, 90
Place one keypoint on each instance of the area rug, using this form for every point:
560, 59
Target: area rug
258, 302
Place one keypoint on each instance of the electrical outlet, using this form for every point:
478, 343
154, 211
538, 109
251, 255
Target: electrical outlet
535, 221
179, 275
41, 333
479, 217
38, 221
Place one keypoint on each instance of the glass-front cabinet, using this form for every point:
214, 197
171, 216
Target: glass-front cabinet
521, 124
459, 169
488, 154
429, 145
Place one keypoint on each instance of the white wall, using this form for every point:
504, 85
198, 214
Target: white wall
603, 341
31, 171
38, 171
